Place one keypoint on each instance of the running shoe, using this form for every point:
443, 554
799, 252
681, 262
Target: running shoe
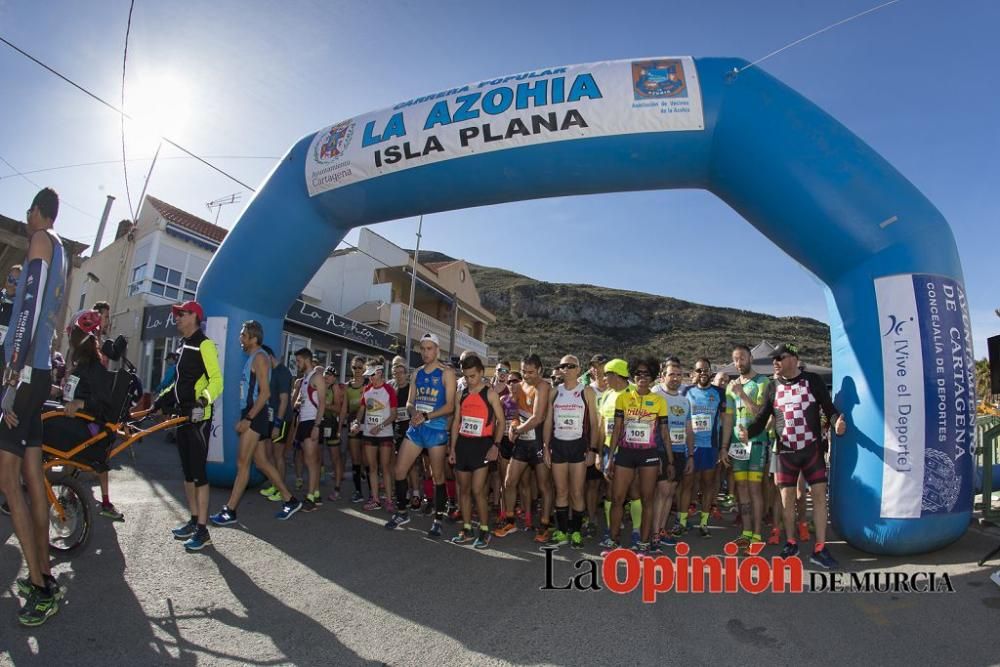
462, 538
679, 530
225, 517
482, 540
654, 548
803, 531
454, 515
299, 484
640, 549
290, 508
356, 497
198, 541
185, 530
275, 497
576, 540
109, 512
389, 506
703, 531
334, 496
505, 529
790, 550
371, 505
435, 530
727, 502
742, 543
775, 536
268, 491
543, 534
668, 540
24, 587
824, 559
428, 507
609, 547
316, 498
307, 506
557, 539
415, 503
608, 543
635, 537
38, 608
398, 519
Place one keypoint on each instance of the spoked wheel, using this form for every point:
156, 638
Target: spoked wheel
70, 528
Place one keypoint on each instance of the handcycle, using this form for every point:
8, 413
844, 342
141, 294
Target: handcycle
65, 459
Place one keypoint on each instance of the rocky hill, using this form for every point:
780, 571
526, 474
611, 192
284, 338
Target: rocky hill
553, 319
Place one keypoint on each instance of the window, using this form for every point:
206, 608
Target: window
189, 296
170, 292
191, 285
138, 273
160, 272
156, 288
167, 282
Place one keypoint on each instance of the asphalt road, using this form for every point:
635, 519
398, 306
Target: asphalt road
334, 588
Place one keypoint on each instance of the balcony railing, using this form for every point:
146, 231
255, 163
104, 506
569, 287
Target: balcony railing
394, 317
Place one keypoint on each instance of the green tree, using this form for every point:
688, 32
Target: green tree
983, 380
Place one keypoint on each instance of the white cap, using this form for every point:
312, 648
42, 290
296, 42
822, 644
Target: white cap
372, 370
431, 337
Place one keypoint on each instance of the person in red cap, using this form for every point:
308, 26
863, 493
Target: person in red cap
198, 385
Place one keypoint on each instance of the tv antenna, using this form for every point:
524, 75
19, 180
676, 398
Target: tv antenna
223, 201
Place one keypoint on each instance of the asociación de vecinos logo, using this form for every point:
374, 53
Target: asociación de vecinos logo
335, 142
623, 571
657, 79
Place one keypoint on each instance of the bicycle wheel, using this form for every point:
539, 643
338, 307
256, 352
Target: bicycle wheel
69, 532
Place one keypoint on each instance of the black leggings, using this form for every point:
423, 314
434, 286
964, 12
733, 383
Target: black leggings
192, 443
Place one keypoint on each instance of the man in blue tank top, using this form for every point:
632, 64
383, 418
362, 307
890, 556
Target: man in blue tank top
430, 403
26, 384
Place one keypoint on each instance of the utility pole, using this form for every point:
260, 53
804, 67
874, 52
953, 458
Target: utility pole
100, 228
413, 290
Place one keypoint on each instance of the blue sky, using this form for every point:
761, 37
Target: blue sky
916, 80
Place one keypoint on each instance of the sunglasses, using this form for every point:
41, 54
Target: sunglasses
703, 371
185, 312
642, 374
503, 370
513, 381
567, 367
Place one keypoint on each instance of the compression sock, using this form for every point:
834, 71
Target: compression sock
704, 518
440, 500
748, 534
576, 521
607, 513
683, 519
356, 474
562, 519
401, 491
635, 511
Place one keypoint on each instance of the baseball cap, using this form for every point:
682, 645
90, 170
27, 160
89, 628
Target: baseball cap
189, 307
618, 367
330, 370
431, 337
87, 321
785, 348
598, 360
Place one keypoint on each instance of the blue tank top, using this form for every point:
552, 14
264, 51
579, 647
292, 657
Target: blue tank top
249, 383
53, 293
706, 407
430, 395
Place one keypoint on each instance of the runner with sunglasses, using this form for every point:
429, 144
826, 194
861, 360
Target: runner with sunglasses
526, 436
639, 415
401, 383
616, 374
509, 401
706, 405
375, 419
352, 392
795, 400
333, 417
569, 440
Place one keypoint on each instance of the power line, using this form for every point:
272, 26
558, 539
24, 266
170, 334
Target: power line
62, 201
128, 29
139, 159
122, 113
818, 32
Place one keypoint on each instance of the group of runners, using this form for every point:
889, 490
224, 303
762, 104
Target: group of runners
519, 451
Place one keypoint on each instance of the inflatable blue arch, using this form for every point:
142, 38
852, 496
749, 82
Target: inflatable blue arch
901, 480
